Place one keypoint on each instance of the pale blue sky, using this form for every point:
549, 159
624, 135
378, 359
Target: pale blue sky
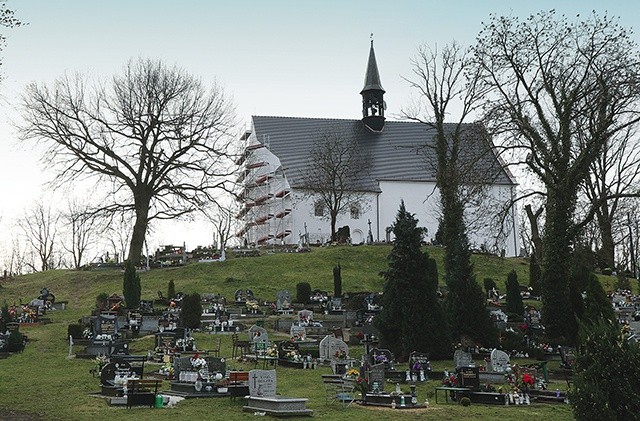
289, 58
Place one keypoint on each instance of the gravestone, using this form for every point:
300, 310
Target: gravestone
499, 361
469, 377
305, 316
262, 397
376, 378
283, 301
286, 348
462, 359
106, 324
258, 334
381, 356
331, 345
299, 333
262, 383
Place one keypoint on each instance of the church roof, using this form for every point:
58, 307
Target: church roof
372, 77
397, 154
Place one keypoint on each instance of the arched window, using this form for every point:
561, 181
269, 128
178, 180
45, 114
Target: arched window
355, 211
319, 208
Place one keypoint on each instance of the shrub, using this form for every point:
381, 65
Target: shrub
303, 292
465, 401
171, 290
606, 373
75, 331
16, 341
489, 285
191, 311
514, 299
337, 281
101, 301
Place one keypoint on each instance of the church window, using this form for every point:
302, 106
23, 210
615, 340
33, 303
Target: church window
319, 208
355, 211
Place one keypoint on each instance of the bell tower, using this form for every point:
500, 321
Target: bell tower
373, 105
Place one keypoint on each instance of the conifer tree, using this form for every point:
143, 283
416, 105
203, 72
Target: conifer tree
597, 305
514, 299
411, 318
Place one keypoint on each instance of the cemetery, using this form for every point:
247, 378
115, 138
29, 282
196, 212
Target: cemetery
256, 352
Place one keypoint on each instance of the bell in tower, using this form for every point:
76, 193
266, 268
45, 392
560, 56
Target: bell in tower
373, 105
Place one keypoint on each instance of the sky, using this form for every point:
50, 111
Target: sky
279, 58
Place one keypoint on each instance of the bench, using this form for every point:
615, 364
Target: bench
142, 392
238, 384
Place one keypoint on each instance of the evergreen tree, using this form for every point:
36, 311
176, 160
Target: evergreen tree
411, 318
597, 305
337, 281
191, 311
171, 290
131, 288
535, 274
514, 299
606, 373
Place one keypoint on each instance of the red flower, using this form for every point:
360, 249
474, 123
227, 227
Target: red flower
527, 379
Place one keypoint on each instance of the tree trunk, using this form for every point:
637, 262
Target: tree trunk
535, 231
559, 317
606, 234
139, 228
334, 217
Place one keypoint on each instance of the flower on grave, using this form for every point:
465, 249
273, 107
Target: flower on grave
363, 385
381, 359
352, 373
340, 354
197, 362
450, 380
292, 355
101, 361
272, 351
167, 369
416, 366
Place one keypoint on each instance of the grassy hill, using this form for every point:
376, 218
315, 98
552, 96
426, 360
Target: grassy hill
265, 275
43, 383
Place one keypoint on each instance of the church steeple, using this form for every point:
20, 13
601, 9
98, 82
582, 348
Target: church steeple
373, 96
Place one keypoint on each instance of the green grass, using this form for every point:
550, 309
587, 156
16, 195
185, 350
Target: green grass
41, 380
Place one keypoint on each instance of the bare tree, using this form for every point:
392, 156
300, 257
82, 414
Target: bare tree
561, 91
154, 139
7, 20
39, 226
83, 228
337, 169
223, 220
445, 79
614, 175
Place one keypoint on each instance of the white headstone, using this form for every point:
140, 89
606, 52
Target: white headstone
499, 361
304, 316
330, 345
462, 359
298, 332
262, 383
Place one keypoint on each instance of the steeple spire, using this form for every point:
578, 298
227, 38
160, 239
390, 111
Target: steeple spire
373, 95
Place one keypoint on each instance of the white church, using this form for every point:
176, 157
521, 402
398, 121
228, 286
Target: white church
275, 209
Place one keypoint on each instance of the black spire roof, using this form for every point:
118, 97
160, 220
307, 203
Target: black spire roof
372, 78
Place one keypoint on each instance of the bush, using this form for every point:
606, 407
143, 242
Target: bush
337, 281
303, 292
171, 290
465, 401
606, 373
191, 311
101, 301
16, 341
489, 285
75, 331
